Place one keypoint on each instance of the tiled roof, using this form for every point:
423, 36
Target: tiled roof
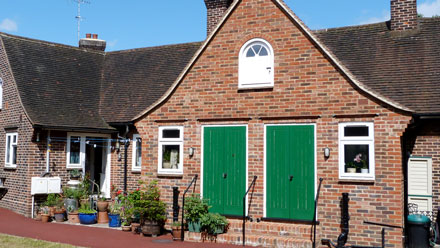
65, 86
134, 79
402, 66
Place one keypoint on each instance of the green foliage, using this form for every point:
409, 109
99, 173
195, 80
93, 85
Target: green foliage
176, 224
85, 209
75, 173
70, 209
350, 165
71, 193
45, 210
53, 200
211, 223
115, 208
84, 188
147, 203
195, 208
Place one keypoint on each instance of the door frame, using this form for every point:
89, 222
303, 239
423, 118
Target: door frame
107, 149
201, 157
265, 157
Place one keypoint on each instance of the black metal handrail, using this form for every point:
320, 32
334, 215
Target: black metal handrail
314, 213
249, 207
182, 237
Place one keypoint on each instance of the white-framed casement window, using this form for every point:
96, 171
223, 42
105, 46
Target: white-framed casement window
256, 65
137, 153
356, 150
75, 151
11, 150
170, 150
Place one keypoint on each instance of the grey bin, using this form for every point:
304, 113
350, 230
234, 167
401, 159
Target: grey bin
418, 231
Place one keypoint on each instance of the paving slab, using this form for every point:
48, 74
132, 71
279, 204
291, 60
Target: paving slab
86, 236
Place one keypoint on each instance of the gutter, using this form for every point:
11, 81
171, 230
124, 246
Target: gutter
76, 129
427, 116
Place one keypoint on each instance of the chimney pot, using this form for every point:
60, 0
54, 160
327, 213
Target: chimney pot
95, 36
88, 36
403, 15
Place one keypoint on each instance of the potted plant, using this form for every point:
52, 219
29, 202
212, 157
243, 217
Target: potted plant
151, 209
213, 223
114, 214
176, 229
125, 225
87, 215
195, 208
45, 214
38, 213
71, 196
351, 167
51, 202
102, 204
72, 215
84, 191
75, 174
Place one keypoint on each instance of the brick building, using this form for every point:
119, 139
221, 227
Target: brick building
262, 96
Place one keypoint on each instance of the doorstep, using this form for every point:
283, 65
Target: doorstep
104, 225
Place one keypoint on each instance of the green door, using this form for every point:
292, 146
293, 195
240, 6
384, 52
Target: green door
290, 184
224, 168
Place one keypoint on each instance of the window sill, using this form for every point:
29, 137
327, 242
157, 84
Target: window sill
10, 167
357, 180
174, 175
256, 87
137, 171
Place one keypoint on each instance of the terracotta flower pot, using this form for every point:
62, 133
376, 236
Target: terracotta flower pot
177, 233
73, 217
45, 217
126, 228
151, 228
102, 206
135, 228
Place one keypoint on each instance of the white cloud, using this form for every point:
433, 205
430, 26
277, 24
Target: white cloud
429, 8
8, 25
375, 19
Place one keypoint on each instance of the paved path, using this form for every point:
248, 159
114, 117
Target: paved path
18, 225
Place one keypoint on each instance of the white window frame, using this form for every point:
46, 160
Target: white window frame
243, 79
170, 141
357, 140
82, 151
10, 164
134, 166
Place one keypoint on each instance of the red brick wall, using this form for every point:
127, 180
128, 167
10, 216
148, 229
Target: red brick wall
403, 14
306, 83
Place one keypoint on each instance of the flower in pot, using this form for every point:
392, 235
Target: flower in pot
351, 167
87, 215
125, 225
72, 214
51, 202
45, 214
213, 223
71, 196
75, 174
114, 214
151, 209
176, 228
59, 214
195, 208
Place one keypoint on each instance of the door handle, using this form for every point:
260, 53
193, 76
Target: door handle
290, 178
225, 175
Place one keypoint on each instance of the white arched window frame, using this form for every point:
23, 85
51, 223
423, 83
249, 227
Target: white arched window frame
256, 65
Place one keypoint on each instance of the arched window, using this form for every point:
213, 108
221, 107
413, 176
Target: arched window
256, 64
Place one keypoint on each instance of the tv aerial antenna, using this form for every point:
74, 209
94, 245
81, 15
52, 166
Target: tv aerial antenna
78, 17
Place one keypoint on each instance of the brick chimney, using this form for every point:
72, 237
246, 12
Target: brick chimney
92, 43
403, 15
216, 10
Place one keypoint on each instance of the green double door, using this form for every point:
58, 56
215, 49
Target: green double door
290, 184
224, 168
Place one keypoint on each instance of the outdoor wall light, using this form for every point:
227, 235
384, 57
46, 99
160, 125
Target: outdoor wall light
327, 152
191, 151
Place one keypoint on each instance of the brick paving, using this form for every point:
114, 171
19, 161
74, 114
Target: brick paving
85, 236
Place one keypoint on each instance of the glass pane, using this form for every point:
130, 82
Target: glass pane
8, 149
138, 152
263, 52
257, 49
75, 147
171, 133
356, 158
250, 53
351, 131
14, 154
170, 156
14, 139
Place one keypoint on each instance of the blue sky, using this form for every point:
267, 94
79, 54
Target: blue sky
142, 23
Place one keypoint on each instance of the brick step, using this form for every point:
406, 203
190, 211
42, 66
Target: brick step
251, 240
289, 230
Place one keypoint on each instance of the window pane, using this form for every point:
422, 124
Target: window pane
356, 156
170, 156
75, 147
355, 131
250, 53
263, 52
14, 139
8, 149
138, 152
171, 133
14, 154
257, 49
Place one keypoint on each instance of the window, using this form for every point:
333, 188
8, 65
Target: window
75, 151
170, 150
1, 93
356, 150
137, 153
11, 150
256, 65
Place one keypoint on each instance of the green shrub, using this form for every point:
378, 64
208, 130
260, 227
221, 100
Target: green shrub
195, 208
